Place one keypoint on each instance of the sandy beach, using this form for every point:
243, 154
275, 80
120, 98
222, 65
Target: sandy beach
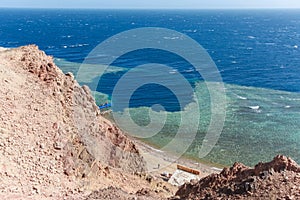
159, 162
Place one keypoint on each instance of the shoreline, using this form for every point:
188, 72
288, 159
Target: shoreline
159, 162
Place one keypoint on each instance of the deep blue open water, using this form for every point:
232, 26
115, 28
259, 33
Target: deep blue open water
256, 51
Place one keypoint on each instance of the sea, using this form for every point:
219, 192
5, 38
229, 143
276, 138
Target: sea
257, 53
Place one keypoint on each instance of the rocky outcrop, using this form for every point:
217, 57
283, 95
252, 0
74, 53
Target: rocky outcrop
112, 193
52, 132
97, 137
278, 179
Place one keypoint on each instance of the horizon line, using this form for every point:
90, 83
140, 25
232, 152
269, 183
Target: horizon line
137, 8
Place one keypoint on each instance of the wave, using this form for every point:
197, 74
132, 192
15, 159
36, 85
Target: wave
243, 98
174, 71
66, 36
190, 31
291, 46
270, 43
189, 70
254, 107
74, 45
171, 38
251, 37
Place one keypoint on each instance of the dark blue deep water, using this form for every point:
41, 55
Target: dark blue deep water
256, 51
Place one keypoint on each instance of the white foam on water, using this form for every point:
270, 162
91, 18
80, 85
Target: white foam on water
174, 71
243, 98
171, 38
251, 37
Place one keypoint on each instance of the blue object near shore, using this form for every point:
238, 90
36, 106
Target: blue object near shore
106, 105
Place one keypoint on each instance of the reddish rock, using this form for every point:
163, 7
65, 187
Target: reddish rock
279, 178
51, 130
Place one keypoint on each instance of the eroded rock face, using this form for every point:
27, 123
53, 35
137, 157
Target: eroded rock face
279, 178
99, 137
51, 129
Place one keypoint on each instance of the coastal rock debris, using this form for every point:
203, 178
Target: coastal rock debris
278, 179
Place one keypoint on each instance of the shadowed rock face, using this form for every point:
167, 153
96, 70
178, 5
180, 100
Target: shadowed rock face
51, 129
279, 178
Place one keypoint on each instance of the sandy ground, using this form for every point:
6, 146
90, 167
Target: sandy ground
159, 162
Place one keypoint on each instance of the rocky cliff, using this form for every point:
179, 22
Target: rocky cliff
53, 140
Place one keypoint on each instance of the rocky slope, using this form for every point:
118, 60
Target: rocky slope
278, 179
54, 144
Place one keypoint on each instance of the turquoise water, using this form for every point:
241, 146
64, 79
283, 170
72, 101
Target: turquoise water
260, 123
